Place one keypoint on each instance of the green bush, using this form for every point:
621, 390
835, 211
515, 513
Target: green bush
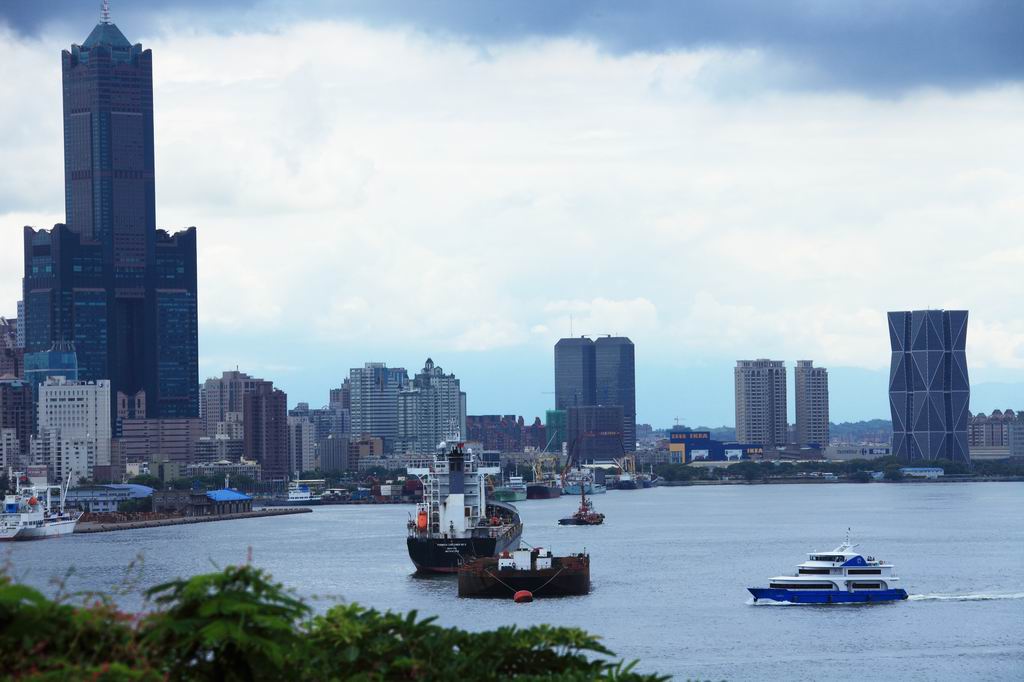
893, 473
676, 472
240, 625
136, 504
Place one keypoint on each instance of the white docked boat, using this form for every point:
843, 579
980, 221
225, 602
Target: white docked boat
836, 577
575, 478
299, 494
30, 514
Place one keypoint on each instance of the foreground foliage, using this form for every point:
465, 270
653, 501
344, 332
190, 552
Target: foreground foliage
239, 625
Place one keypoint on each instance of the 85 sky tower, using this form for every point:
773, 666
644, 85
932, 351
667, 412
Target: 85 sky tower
108, 281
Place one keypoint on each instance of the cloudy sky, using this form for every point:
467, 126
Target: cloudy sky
463, 180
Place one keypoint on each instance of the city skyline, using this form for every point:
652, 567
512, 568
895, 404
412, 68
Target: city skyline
334, 180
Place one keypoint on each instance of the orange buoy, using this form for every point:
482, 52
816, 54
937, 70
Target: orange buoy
421, 520
32, 501
523, 597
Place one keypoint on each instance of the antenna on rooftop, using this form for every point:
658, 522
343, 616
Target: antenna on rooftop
105, 12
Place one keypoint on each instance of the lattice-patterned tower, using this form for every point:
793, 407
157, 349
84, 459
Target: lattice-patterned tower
929, 389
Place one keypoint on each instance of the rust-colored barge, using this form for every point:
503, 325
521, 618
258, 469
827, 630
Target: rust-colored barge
534, 570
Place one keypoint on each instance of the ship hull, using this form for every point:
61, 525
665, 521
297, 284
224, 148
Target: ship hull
542, 492
592, 489
626, 485
570, 577
826, 596
52, 529
446, 555
572, 521
507, 495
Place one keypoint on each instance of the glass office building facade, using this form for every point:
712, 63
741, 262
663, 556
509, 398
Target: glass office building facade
929, 388
575, 373
616, 382
106, 280
556, 429
177, 330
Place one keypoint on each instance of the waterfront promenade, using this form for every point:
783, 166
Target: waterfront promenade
106, 527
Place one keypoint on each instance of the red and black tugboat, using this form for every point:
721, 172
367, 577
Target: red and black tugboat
585, 515
456, 523
525, 574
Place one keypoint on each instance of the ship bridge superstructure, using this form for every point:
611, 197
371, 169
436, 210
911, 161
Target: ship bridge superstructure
839, 569
454, 492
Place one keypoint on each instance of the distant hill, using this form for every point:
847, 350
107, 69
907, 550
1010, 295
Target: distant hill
873, 430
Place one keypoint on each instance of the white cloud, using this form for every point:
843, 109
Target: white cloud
637, 318
998, 345
352, 184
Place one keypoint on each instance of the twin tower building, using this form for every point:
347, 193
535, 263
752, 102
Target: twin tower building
595, 386
106, 283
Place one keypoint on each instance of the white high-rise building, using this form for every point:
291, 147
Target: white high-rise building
761, 417
811, 394
301, 451
77, 410
63, 455
374, 396
10, 450
431, 409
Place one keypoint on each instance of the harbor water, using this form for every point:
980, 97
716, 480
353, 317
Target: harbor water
670, 568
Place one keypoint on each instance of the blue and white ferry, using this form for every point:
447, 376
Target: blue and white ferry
841, 576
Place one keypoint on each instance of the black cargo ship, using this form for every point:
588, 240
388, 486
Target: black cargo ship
534, 571
455, 523
543, 490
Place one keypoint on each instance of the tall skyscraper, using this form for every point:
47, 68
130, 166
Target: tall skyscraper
761, 416
431, 409
17, 413
811, 394
595, 432
177, 325
108, 281
575, 373
222, 398
73, 423
301, 445
616, 382
265, 411
929, 388
374, 395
